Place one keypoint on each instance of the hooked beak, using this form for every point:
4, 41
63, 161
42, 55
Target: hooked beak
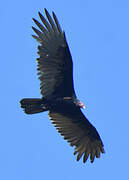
81, 105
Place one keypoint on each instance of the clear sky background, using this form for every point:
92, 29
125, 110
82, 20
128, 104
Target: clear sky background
97, 32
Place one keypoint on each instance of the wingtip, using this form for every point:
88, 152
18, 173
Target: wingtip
46, 11
33, 27
39, 13
92, 160
34, 20
53, 14
102, 148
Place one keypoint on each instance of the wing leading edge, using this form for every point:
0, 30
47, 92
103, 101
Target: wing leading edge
78, 131
55, 67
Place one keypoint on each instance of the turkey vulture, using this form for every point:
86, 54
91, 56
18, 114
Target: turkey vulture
55, 71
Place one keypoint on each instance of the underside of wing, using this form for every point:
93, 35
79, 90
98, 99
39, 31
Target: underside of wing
55, 67
78, 131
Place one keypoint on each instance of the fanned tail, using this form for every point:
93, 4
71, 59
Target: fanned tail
32, 105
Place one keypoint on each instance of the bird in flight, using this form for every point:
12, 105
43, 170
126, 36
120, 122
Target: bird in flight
55, 71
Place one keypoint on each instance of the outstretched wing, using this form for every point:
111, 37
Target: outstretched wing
78, 131
55, 68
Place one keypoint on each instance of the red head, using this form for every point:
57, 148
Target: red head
80, 104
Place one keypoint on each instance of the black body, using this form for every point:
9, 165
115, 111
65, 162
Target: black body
55, 70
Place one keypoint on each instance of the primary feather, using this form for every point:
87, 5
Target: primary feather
55, 68
55, 71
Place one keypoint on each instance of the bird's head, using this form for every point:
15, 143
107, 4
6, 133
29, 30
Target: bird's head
80, 104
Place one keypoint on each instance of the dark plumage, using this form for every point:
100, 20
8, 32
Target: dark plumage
55, 70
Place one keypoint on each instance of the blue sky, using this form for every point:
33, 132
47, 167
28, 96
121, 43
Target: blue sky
98, 36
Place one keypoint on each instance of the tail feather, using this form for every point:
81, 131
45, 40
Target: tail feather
32, 106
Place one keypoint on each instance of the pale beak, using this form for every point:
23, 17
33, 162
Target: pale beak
81, 105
